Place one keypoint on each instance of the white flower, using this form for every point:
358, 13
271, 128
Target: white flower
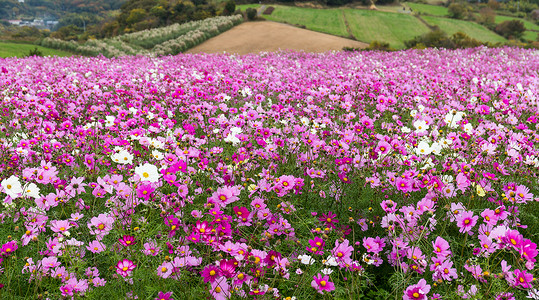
421, 126
304, 121
12, 186
306, 259
423, 148
231, 138
31, 190
157, 155
326, 271
330, 261
405, 129
147, 172
109, 121
122, 157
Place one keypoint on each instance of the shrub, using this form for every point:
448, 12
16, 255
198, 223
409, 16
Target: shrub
34, 52
457, 11
511, 29
251, 13
436, 38
230, 7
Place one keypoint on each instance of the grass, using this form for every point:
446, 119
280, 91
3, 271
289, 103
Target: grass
527, 24
321, 20
19, 50
473, 30
425, 9
530, 35
393, 28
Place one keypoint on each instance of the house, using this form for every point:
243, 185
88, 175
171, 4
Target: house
14, 22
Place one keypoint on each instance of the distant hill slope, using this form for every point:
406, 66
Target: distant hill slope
370, 25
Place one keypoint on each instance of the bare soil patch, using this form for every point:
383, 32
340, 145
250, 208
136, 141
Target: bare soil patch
266, 36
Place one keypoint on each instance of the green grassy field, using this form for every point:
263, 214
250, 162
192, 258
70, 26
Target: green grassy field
321, 20
474, 30
426, 9
20, 50
530, 35
527, 24
393, 28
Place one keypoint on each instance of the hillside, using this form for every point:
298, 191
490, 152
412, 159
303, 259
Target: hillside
371, 25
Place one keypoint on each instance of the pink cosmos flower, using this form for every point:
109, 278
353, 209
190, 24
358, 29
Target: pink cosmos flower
151, 249
466, 221
523, 279
322, 284
8, 248
127, 240
417, 291
165, 270
60, 225
164, 296
220, 289
316, 245
96, 247
441, 247
125, 267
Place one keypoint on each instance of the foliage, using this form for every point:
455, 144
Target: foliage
511, 29
230, 8
251, 13
34, 52
457, 11
439, 39
161, 41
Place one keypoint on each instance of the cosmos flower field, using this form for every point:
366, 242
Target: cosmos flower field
367, 175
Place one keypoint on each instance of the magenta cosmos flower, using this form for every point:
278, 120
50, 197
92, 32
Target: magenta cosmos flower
466, 221
127, 240
322, 284
417, 291
164, 296
125, 267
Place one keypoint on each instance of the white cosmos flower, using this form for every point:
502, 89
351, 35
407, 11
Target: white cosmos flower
109, 121
147, 172
330, 261
157, 155
31, 190
306, 259
423, 148
122, 157
421, 126
12, 186
326, 271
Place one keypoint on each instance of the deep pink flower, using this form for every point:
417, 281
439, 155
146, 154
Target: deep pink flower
127, 240
8, 248
316, 245
417, 291
210, 273
523, 279
329, 219
322, 284
125, 267
164, 296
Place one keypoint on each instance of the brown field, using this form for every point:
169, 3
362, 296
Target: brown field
266, 36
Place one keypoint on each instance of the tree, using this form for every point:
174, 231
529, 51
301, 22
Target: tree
511, 29
230, 7
251, 13
457, 11
136, 15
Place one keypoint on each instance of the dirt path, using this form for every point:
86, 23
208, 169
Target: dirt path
266, 36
